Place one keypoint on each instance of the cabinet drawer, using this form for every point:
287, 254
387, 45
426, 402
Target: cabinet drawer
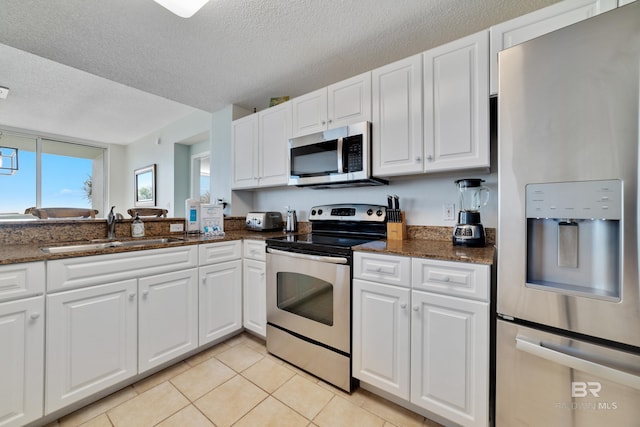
92, 270
452, 278
21, 280
254, 249
212, 253
390, 269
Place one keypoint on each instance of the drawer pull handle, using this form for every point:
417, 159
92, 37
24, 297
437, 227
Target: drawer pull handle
403, 306
35, 316
132, 295
416, 308
145, 293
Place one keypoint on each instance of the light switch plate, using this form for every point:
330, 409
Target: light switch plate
176, 228
4, 92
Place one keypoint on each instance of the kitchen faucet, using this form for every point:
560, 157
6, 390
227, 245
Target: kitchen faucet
111, 224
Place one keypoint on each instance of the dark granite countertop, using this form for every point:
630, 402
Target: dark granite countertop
421, 246
434, 249
17, 253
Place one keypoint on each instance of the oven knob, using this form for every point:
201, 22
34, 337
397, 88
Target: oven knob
369, 211
313, 211
319, 211
379, 212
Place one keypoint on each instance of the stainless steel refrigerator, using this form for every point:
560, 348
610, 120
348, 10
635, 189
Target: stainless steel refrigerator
568, 328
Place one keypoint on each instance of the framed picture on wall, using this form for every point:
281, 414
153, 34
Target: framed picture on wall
145, 186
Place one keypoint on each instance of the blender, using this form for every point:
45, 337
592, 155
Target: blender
473, 196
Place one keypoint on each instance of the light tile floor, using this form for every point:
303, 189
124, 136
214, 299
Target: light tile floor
237, 383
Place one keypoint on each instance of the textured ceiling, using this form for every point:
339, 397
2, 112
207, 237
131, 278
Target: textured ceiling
231, 52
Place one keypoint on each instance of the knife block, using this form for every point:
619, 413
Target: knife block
397, 230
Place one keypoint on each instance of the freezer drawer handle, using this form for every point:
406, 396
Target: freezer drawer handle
536, 348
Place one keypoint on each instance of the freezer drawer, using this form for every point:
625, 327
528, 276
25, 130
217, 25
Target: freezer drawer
550, 380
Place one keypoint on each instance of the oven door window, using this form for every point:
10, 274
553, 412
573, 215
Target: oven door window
305, 296
315, 159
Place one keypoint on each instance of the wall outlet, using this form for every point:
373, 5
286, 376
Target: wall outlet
448, 212
176, 228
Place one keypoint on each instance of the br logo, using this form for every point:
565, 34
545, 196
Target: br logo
583, 389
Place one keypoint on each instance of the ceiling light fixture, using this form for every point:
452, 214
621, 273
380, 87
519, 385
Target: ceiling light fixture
182, 8
8, 160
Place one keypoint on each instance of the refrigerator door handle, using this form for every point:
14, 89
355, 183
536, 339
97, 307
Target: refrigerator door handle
536, 348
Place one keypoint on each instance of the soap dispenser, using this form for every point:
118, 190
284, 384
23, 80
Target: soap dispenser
137, 227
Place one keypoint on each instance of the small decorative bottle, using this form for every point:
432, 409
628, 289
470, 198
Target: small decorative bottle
137, 227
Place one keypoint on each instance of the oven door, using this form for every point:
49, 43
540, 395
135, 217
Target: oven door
310, 296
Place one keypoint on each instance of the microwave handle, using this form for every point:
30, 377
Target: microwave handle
340, 156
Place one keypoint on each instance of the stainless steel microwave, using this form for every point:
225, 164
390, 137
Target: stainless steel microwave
339, 157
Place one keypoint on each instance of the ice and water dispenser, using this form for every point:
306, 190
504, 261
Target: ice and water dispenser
574, 238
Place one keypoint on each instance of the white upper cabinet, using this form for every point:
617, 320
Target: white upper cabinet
260, 144
340, 104
543, 21
623, 2
274, 134
456, 104
349, 101
244, 137
310, 112
397, 118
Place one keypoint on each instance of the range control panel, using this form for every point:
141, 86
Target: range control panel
348, 212
575, 200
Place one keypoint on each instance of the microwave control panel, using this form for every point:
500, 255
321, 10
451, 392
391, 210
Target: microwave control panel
352, 157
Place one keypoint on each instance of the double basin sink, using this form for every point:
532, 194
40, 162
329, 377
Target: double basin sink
100, 245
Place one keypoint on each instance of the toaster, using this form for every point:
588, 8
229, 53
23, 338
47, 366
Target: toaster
264, 221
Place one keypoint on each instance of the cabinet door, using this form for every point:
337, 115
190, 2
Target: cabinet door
21, 361
456, 104
168, 317
381, 322
309, 113
350, 101
397, 118
220, 300
255, 297
245, 152
275, 131
91, 341
450, 357
539, 22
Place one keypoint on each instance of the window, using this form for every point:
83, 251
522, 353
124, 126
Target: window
200, 178
52, 174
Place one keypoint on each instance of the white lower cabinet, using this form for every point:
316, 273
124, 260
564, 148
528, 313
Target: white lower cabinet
220, 300
91, 341
427, 348
168, 317
450, 357
220, 294
21, 361
254, 284
381, 336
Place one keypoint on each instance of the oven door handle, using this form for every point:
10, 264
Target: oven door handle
320, 258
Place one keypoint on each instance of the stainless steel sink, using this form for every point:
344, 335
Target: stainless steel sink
96, 246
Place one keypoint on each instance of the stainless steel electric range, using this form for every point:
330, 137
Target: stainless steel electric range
309, 289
